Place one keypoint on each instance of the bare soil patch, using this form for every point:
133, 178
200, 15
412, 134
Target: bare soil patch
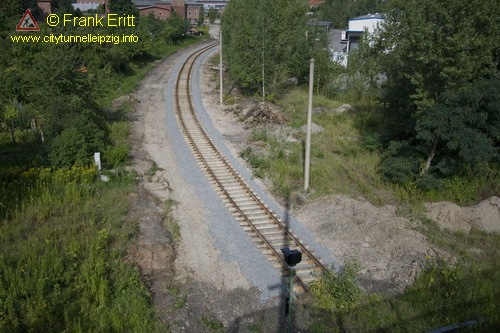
484, 216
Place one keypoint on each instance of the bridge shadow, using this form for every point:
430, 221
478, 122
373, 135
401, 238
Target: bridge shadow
273, 319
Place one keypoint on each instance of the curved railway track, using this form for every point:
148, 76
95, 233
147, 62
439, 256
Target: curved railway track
265, 229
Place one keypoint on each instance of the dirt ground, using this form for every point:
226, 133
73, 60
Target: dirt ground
192, 295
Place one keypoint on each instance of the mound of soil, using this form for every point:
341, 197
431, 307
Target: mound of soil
484, 216
390, 254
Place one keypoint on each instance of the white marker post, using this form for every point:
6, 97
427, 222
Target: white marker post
97, 162
309, 121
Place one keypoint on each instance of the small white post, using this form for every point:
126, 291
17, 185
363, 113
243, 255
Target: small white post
309, 121
97, 162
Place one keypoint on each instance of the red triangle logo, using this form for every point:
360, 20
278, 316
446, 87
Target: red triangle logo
28, 22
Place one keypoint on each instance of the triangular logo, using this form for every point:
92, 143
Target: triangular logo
27, 22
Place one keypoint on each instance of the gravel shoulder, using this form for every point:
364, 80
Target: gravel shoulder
201, 274
196, 281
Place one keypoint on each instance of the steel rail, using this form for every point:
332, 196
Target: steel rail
236, 177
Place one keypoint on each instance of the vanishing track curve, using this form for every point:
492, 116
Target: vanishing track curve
261, 224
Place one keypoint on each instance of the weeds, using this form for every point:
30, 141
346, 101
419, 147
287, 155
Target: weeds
169, 223
212, 324
180, 303
444, 293
254, 328
338, 292
153, 169
62, 257
341, 162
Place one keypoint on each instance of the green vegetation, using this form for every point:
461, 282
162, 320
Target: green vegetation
62, 261
275, 32
64, 235
338, 292
440, 101
427, 129
443, 294
122, 7
343, 160
63, 92
212, 324
430, 125
169, 223
340, 11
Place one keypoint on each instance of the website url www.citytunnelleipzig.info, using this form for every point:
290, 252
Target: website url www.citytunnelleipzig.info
88, 38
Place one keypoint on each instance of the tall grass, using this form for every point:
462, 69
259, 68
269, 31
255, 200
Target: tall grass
62, 264
341, 162
344, 160
443, 294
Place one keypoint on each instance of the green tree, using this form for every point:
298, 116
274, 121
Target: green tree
437, 56
201, 17
340, 11
64, 6
266, 43
122, 7
11, 8
176, 29
212, 15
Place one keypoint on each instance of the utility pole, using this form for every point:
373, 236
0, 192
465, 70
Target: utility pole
309, 120
220, 67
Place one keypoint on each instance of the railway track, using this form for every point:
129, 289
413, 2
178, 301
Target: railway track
262, 225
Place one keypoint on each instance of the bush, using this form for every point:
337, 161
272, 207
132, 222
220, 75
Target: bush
398, 166
116, 155
338, 292
69, 148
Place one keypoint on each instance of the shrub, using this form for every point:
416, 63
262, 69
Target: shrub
338, 292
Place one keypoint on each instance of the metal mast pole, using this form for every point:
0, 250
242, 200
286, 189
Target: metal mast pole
309, 120
220, 68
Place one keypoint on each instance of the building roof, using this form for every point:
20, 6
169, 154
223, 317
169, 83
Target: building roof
153, 6
148, 3
369, 17
335, 42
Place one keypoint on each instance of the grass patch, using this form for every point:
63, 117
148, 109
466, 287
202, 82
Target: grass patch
153, 169
254, 328
443, 294
62, 262
180, 303
169, 223
114, 85
341, 162
345, 159
212, 324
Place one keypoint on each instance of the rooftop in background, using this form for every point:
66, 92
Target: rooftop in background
336, 44
315, 3
370, 22
369, 16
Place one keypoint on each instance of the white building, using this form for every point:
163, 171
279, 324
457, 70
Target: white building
357, 27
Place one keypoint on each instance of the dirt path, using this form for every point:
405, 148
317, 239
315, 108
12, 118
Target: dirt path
193, 288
